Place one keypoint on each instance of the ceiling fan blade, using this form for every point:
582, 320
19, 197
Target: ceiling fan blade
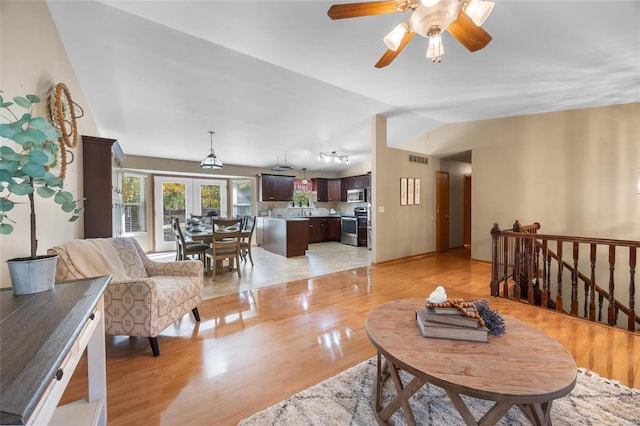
390, 55
468, 33
354, 10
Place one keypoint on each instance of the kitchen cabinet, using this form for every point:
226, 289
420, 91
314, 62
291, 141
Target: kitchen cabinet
362, 231
103, 176
275, 187
286, 237
333, 229
323, 229
354, 182
317, 230
328, 190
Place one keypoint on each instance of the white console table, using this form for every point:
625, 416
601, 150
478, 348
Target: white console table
42, 338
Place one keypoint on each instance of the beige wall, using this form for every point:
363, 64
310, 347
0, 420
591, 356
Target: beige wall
575, 172
400, 231
33, 61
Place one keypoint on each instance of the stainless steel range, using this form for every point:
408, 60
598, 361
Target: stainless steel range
349, 225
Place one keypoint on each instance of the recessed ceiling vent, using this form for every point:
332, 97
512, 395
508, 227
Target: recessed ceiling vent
418, 159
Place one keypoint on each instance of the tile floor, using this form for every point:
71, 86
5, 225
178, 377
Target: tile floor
271, 269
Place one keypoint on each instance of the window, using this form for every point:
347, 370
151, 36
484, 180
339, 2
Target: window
134, 203
241, 198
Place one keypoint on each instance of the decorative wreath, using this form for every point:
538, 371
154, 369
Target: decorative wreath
64, 113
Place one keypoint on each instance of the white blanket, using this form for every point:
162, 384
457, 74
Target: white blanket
96, 257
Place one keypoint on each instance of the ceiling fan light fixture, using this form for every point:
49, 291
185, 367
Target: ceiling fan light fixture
211, 162
439, 15
478, 10
393, 39
429, 3
435, 49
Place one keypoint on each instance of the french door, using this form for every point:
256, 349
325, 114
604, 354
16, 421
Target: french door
181, 198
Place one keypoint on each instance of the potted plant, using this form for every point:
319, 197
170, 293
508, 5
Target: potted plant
26, 169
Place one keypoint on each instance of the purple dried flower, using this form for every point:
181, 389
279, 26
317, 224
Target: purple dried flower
492, 319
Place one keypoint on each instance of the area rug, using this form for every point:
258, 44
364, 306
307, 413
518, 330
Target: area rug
345, 400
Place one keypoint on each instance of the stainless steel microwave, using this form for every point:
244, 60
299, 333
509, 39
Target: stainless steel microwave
356, 196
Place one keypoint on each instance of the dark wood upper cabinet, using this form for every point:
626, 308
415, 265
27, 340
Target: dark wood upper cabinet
102, 160
275, 187
328, 190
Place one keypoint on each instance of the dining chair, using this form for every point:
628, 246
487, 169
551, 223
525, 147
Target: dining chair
249, 224
184, 248
225, 244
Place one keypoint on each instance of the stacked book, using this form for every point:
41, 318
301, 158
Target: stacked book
449, 323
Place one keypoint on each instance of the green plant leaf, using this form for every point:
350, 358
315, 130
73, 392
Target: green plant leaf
30, 135
73, 218
38, 157
23, 102
25, 119
34, 170
45, 192
7, 153
69, 207
47, 128
78, 211
6, 205
5, 175
22, 188
6, 228
53, 181
33, 99
9, 165
8, 130
63, 197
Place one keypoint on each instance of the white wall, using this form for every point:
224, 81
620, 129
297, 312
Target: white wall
33, 61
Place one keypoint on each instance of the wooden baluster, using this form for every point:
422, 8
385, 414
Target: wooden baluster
517, 265
574, 281
560, 270
505, 264
544, 302
494, 285
612, 266
530, 266
600, 303
592, 294
631, 318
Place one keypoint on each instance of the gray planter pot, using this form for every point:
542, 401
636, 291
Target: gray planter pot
30, 276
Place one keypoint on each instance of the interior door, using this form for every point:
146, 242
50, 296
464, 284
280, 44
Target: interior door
442, 211
467, 211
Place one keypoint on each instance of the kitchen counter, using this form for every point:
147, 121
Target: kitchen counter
288, 237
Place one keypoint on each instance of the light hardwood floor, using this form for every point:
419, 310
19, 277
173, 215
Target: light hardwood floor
257, 347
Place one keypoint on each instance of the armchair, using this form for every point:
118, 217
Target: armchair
144, 297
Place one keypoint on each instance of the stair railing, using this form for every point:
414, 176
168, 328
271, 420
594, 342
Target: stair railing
517, 268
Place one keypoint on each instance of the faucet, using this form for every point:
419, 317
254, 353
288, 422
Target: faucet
301, 211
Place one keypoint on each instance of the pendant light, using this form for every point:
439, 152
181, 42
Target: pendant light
304, 178
211, 161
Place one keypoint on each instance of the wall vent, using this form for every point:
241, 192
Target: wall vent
418, 159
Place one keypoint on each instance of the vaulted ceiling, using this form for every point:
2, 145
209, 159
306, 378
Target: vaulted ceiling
276, 77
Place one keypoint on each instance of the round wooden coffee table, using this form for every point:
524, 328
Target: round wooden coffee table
523, 367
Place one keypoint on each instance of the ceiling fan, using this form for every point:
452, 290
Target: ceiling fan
429, 18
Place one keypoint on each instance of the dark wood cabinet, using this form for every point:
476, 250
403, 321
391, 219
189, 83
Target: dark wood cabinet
328, 190
354, 182
102, 160
362, 231
317, 230
275, 187
334, 190
333, 229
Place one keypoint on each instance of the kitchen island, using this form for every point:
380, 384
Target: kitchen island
288, 237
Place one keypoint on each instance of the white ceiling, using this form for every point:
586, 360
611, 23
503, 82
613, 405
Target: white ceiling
271, 77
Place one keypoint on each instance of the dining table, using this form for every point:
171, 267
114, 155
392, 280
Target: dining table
206, 236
